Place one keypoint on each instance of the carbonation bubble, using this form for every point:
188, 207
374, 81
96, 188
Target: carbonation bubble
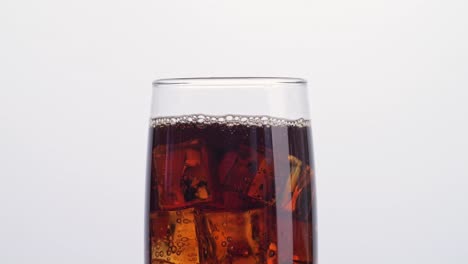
230, 120
173, 249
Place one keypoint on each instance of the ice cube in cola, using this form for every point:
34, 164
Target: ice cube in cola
241, 172
296, 197
249, 172
183, 175
239, 237
294, 211
263, 183
238, 167
173, 237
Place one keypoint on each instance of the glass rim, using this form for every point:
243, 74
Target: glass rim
229, 81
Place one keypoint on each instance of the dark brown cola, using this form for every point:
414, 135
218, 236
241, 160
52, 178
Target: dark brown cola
231, 193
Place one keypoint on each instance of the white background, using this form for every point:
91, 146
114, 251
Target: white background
389, 100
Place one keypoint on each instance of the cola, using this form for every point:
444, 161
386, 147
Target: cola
232, 189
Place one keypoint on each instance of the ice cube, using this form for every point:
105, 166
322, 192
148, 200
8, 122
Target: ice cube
238, 168
225, 166
262, 187
248, 172
239, 237
182, 174
303, 198
173, 237
297, 190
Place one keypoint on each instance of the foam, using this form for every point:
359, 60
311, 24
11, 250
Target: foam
228, 120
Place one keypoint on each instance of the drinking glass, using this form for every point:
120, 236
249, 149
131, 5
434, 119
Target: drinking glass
230, 172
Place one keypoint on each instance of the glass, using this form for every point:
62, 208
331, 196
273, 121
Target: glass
230, 172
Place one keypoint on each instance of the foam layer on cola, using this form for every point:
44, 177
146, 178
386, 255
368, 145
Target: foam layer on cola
229, 120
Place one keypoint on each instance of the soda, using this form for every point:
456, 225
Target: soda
231, 189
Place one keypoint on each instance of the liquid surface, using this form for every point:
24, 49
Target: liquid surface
231, 189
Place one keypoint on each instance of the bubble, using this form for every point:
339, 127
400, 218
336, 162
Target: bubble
228, 120
180, 244
224, 244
